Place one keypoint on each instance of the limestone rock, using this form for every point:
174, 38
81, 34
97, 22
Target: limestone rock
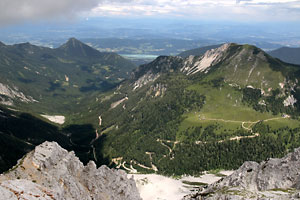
290, 101
193, 64
50, 169
148, 77
13, 93
24, 189
271, 179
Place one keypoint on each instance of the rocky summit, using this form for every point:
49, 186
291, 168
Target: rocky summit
51, 172
270, 179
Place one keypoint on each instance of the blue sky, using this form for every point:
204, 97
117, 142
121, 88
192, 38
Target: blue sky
16, 11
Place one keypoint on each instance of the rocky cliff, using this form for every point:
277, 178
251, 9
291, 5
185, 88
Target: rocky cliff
270, 179
51, 172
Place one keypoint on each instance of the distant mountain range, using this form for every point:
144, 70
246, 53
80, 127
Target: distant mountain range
287, 54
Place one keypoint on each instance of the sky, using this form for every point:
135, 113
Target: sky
257, 10
19, 11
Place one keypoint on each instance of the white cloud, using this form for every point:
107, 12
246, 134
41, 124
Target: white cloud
15, 11
206, 9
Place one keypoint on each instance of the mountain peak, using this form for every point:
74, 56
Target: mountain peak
2, 44
74, 42
76, 48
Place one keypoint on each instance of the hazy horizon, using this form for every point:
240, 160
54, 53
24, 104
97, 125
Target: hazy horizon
243, 21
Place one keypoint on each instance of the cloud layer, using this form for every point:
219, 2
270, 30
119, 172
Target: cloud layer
206, 9
14, 11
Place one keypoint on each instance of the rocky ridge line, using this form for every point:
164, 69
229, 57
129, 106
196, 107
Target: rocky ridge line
273, 179
51, 172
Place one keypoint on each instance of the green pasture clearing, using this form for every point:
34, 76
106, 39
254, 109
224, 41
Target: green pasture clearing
226, 103
281, 123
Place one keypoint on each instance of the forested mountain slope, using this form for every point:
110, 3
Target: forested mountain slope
183, 115
44, 80
38, 83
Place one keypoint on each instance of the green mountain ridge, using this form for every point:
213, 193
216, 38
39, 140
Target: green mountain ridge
235, 104
53, 75
75, 48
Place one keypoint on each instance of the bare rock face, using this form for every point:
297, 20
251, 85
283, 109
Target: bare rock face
148, 77
193, 64
271, 179
24, 189
51, 172
13, 93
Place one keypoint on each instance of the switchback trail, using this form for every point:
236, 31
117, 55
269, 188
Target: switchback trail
248, 128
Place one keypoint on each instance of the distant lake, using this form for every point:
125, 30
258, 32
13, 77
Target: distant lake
140, 56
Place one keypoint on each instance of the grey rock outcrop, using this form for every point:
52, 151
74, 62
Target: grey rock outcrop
51, 172
13, 93
211, 57
24, 189
271, 179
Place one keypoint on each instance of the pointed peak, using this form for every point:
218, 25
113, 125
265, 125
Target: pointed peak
73, 42
73, 39
75, 47
2, 44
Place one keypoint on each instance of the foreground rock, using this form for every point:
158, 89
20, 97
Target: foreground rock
271, 179
50, 172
